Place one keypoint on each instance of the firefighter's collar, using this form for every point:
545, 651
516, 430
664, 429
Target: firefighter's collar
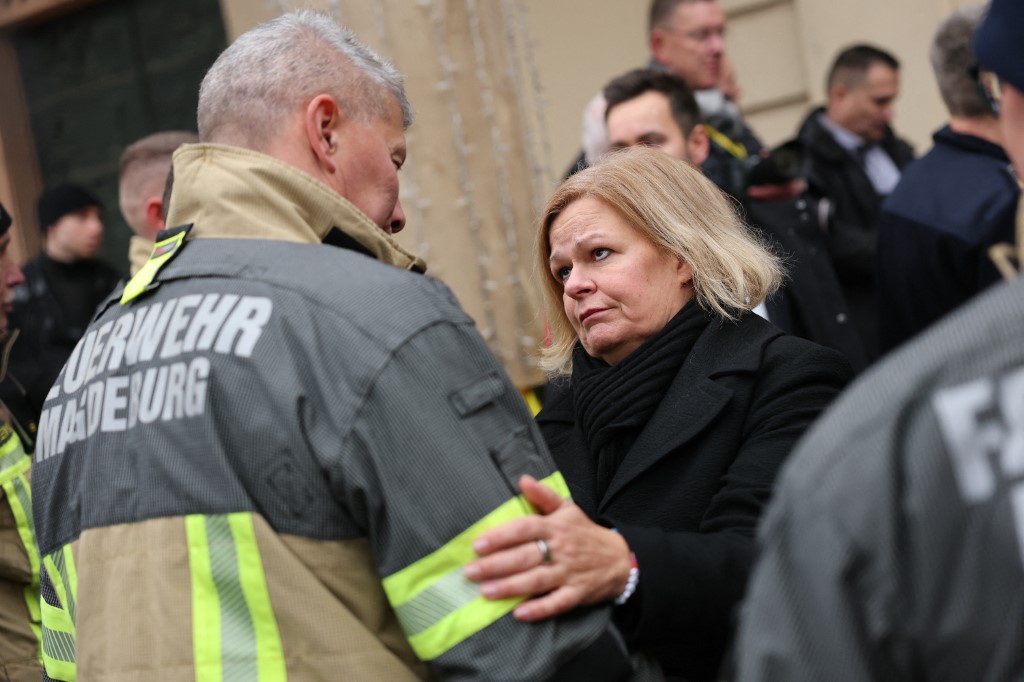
229, 192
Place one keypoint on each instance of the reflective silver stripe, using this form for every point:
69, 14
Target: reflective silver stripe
58, 560
445, 595
25, 498
11, 458
238, 638
58, 645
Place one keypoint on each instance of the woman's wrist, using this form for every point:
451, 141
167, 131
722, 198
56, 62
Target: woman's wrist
632, 577
631, 582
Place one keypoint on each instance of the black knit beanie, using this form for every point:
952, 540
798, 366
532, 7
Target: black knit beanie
57, 202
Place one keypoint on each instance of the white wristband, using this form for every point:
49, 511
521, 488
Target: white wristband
631, 582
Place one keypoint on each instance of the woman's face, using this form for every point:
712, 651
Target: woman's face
618, 288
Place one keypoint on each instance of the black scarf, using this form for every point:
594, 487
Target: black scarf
614, 402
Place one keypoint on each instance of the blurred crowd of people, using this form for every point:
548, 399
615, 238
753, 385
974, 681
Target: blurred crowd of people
780, 438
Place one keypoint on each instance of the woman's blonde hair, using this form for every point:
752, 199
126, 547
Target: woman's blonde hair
672, 204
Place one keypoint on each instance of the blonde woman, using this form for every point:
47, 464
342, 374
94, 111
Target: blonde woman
672, 408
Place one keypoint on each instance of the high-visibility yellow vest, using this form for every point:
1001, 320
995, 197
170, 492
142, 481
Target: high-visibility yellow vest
14, 480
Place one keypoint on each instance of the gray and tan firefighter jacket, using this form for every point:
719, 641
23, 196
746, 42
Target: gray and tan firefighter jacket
19, 565
268, 459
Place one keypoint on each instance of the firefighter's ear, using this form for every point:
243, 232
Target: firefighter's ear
323, 120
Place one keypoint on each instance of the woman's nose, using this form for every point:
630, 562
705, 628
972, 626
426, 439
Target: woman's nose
578, 282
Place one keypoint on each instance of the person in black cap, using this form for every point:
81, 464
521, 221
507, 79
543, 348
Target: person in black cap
63, 286
894, 547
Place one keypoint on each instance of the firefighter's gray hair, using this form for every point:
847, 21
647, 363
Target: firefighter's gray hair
269, 72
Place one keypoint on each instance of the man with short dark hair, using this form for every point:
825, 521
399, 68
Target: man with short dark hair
142, 179
853, 159
655, 109
951, 205
894, 547
63, 285
271, 453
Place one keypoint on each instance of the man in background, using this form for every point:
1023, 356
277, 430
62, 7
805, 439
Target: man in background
63, 285
852, 158
894, 547
951, 205
142, 179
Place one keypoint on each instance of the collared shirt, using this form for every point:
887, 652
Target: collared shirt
879, 167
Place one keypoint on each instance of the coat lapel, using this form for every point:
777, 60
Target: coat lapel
695, 397
557, 421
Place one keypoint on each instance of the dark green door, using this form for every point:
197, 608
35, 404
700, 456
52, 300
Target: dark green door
102, 77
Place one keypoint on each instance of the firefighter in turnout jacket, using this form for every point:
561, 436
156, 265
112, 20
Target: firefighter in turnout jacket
268, 457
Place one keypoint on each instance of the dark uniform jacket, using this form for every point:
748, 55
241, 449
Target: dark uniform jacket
269, 459
935, 230
688, 495
835, 173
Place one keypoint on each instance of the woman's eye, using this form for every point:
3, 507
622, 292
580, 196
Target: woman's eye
601, 254
562, 274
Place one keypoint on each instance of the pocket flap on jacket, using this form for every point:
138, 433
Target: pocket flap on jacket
477, 395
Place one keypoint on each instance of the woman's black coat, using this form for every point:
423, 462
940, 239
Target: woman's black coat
688, 495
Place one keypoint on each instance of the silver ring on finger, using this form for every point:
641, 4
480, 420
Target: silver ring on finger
545, 551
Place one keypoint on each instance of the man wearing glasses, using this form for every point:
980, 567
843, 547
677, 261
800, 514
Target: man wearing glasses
894, 547
687, 39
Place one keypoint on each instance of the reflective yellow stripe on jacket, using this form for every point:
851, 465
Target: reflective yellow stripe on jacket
234, 629
14, 467
59, 621
436, 605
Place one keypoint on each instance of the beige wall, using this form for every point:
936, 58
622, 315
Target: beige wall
579, 45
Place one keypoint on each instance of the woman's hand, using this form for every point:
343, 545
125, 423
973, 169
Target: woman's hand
586, 563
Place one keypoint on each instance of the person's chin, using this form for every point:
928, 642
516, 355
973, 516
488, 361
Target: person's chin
712, 76
709, 82
876, 135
